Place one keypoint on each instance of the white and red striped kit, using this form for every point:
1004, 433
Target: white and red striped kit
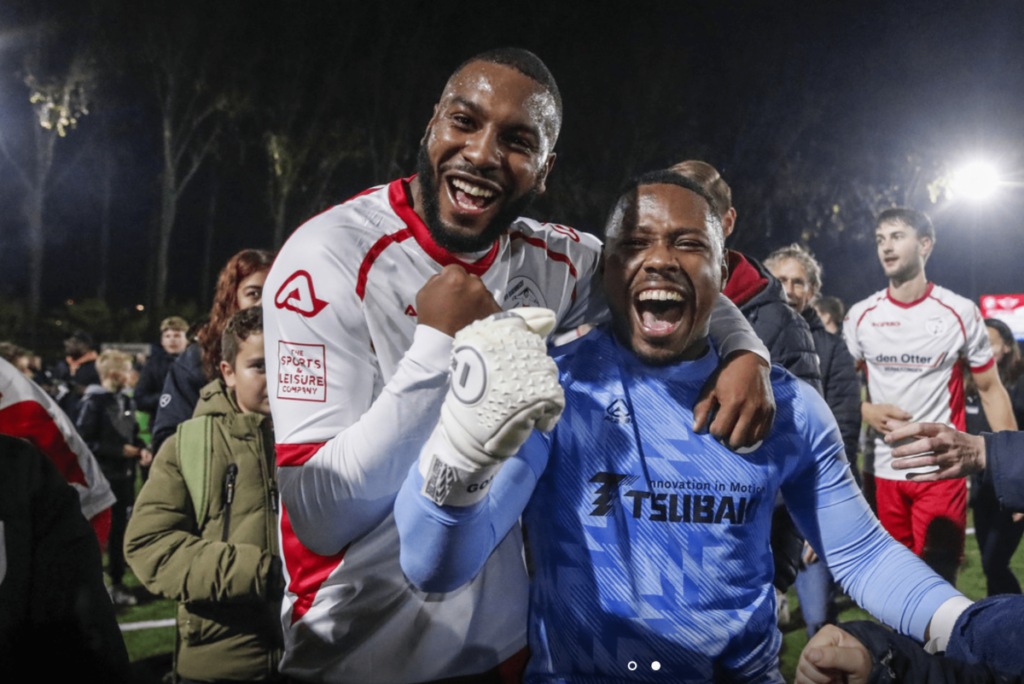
913, 353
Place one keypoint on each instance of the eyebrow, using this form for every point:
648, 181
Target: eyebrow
479, 111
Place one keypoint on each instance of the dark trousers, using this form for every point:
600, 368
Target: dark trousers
124, 490
998, 537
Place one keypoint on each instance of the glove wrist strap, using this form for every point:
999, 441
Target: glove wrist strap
449, 485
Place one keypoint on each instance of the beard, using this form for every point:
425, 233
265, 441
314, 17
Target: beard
450, 238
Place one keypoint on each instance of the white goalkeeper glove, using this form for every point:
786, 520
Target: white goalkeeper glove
503, 385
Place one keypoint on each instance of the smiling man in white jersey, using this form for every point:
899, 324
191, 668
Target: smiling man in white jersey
914, 338
362, 304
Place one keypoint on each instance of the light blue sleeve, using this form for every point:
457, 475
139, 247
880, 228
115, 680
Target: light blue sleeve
879, 573
444, 547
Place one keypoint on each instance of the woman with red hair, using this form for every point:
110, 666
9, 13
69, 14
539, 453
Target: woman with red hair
239, 286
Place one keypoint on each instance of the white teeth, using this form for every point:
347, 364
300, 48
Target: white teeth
660, 295
470, 189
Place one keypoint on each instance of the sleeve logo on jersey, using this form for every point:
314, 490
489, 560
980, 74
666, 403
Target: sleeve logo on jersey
301, 371
522, 291
297, 294
565, 230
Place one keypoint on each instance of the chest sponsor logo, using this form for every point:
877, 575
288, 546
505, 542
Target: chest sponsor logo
908, 361
522, 291
297, 294
617, 412
301, 371
705, 502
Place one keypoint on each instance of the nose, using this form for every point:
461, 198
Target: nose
482, 149
658, 257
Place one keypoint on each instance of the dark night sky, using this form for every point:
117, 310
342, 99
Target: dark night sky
802, 106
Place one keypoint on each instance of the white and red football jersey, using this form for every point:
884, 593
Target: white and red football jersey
913, 354
28, 412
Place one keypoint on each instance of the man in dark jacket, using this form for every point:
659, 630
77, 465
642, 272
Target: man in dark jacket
762, 300
173, 341
800, 276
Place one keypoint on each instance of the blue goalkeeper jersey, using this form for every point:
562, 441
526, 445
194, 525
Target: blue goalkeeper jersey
650, 543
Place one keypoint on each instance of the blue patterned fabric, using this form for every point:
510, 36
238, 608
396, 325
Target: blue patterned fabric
651, 543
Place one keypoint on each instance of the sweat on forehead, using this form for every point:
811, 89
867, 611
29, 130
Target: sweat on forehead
527, 64
624, 213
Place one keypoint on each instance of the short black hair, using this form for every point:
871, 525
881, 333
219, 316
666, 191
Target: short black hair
526, 63
242, 325
918, 220
670, 177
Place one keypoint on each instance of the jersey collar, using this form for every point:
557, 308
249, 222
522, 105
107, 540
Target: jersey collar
908, 305
398, 195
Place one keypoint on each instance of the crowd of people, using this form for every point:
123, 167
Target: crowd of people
344, 479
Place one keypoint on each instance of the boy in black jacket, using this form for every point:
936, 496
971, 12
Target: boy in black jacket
107, 423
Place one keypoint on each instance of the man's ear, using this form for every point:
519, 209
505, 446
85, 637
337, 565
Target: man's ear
228, 372
729, 222
542, 177
926, 246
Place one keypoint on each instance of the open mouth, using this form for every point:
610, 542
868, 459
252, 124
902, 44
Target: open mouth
469, 196
660, 311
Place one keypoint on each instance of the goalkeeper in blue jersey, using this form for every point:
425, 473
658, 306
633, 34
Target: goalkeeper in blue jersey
650, 542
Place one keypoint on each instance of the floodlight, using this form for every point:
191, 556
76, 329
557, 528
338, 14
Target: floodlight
976, 181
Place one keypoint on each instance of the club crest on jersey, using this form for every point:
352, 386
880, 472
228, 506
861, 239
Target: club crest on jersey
297, 294
617, 412
522, 291
935, 326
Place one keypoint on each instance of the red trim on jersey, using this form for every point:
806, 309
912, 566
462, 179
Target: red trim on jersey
30, 421
400, 203
296, 454
367, 191
379, 246
984, 367
306, 569
552, 254
927, 293
870, 308
959, 320
957, 407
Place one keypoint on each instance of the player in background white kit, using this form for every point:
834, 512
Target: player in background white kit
362, 304
914, 337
